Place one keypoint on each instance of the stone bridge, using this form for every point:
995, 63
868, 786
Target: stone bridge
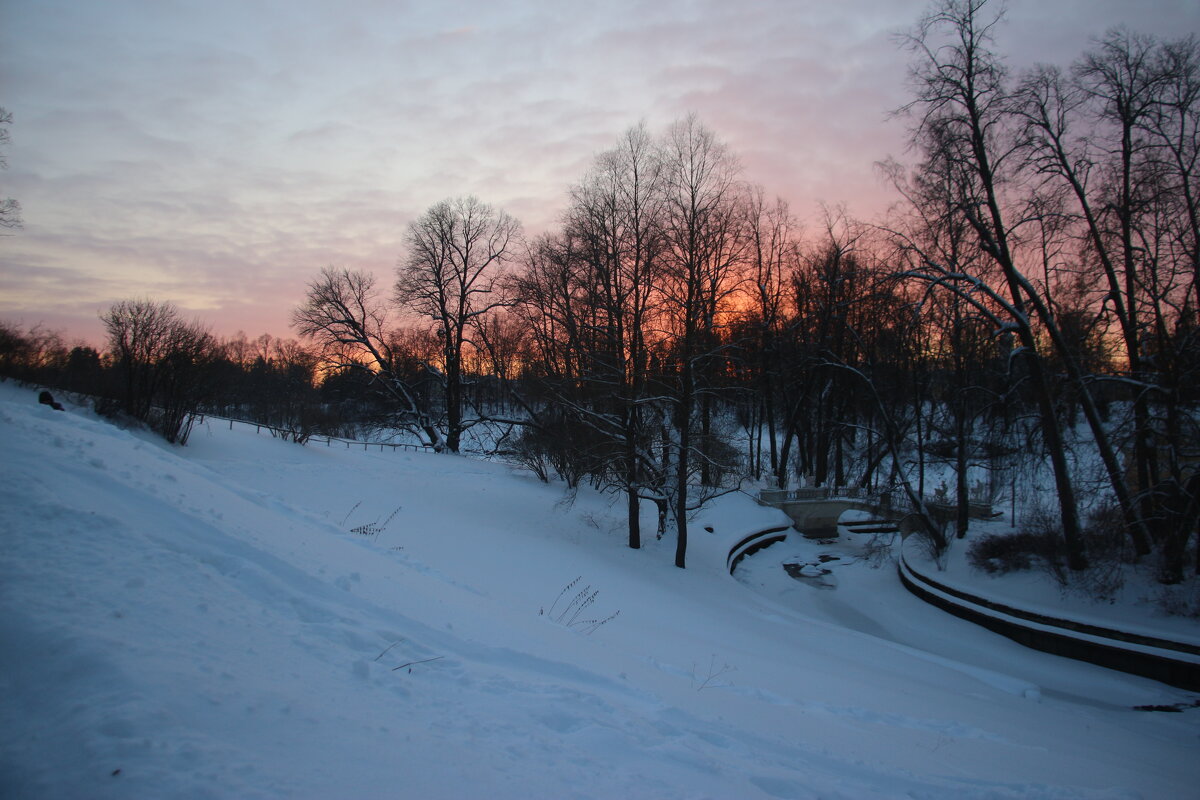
815, 510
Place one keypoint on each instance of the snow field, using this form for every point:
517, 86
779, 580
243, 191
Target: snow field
200, 622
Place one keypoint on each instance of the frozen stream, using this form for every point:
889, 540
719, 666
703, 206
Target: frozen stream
864, 594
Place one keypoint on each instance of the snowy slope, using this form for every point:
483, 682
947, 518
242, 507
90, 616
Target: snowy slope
201, 622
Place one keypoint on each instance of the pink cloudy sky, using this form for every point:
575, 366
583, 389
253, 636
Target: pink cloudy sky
218, 154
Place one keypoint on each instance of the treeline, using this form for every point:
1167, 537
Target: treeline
162, 370
1032, 301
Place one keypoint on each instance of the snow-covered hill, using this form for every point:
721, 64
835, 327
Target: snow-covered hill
203, 622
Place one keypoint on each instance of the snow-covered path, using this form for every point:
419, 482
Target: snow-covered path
200, 622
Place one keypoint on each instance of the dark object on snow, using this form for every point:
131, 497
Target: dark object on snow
47, 399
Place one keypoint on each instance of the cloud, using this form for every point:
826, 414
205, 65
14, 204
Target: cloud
219, 154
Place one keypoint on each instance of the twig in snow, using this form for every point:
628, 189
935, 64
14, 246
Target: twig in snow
569, 616
713, 674
566, 589
580, 602
389, 647
422, 661
375, 528
351, 511
589, 626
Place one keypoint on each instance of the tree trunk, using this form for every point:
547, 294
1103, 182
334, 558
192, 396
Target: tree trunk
683, 430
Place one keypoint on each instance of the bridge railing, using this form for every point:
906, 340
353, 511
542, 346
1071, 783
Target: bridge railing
774, 497
884, 500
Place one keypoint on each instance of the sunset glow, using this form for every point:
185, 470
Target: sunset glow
218, 155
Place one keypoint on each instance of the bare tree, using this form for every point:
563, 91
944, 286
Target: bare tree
615, 218
1175, 127
345, 317
455, 253
773, 256
551, 298
10, 210
139, 333
159, 360
962, 110
627, 310
705, 239
1118, 139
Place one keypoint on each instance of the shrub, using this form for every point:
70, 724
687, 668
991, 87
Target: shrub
1040, 546
160, 366
1105, 535
999, 554
559, 445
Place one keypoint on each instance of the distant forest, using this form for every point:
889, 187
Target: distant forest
1030, 304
